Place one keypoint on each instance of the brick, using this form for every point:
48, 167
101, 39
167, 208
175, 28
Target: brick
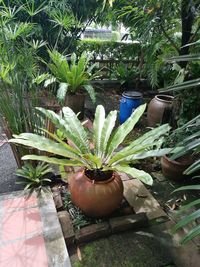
58, 200
130, 222
67, 227
92, 232
141, 199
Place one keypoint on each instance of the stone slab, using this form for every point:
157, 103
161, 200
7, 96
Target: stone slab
141, 199
67, 227
130, 222
92, 232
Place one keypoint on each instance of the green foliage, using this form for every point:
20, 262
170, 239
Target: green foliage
190, 144
73, 77
104, 156
125, 74
191, 217
187, 91
19, 66
59, 23
34, 177
165, 28
109, 49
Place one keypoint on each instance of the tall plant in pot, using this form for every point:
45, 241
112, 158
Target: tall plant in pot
97, 188
73, 78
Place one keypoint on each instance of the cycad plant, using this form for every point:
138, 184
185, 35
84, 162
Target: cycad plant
72, 77
102, 156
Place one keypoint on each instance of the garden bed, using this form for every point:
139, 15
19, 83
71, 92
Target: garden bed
137, 210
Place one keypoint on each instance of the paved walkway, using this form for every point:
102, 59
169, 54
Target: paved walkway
30, 233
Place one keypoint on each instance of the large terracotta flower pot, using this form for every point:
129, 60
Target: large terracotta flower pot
174, 169
77, 103
159, 107
96, 199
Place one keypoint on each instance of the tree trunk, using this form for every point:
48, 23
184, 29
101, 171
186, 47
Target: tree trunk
187, 18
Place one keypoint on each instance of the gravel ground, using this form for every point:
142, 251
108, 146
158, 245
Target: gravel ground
8, 167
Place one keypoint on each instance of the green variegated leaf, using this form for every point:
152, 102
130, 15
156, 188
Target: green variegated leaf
78, 133
94, 160
62, 90
98, 127
124, 129
90, 89
52, 160
62, 125
136, 154
135, 173
43, 144
149, 137
107, 129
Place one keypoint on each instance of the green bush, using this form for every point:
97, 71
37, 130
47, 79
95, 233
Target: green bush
109, 49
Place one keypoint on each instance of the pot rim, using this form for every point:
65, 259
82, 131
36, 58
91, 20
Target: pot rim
100, 182
176, 162
166, 98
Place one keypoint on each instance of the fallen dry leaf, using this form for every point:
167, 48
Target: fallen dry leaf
79, 254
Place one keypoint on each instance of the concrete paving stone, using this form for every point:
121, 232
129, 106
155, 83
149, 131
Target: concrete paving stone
124, 223
92, 232
54, 241
67, 227
31, 226
124, 176
141, 199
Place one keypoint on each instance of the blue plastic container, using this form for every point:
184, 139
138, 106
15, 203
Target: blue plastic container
129, 102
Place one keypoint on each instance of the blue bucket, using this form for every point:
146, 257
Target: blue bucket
129, 102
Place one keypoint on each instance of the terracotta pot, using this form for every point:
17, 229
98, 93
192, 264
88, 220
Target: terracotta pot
159, 110
173, 169
96, 199
77, 103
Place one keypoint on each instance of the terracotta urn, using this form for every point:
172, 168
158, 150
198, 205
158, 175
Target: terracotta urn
174, 169
159, 110
96, 198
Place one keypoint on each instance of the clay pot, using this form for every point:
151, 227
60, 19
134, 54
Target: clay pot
174, 169
96, 199
159, 110
77, 103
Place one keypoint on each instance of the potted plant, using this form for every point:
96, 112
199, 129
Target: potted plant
97, 188
125, 75
73, 79
184, 142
